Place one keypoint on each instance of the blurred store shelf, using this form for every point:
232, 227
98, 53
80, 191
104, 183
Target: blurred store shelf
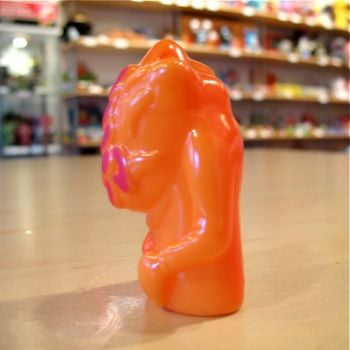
31, 150
275, 98
221, 9
286, 67
324, 143
309, 138
340, 138
234, 97
30, 29
93, 43
38, 91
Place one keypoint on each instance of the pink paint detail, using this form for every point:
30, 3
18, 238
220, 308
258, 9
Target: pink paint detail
105, 116
120, 77
109, 192
105, 162
120, 178
106, 133
148, 244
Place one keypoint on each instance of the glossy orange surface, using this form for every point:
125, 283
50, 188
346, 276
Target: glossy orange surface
173, 150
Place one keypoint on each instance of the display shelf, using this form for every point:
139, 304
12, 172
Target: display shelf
248, 14
103, 46
316, 139
123, 45
78, 94
30, 29
336, 143
89, 145
341, 138
5, 91
32, 150
299, 99
242, 97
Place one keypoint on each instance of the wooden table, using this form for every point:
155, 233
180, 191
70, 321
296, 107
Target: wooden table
68, 261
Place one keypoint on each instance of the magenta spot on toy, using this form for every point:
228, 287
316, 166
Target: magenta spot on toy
106, 115
120, 178
120, 77
105, 162
106, 133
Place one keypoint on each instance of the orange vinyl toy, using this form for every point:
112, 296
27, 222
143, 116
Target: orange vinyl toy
173, 150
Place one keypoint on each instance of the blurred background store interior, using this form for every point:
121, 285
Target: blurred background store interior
285, 64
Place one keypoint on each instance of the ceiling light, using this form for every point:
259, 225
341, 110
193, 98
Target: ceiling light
20, 42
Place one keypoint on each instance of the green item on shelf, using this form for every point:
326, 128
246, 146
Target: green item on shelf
84, 73
290, 131
8, 133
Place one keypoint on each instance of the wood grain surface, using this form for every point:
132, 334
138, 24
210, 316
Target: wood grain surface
68, 260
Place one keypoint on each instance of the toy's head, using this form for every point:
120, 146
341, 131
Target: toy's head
152, 107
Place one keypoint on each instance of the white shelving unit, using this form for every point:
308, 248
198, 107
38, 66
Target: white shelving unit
44, 99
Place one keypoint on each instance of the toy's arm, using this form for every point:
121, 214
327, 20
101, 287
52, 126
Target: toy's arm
209, 234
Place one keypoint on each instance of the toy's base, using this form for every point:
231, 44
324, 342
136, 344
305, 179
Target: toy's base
203, 307
200, 314
193, 294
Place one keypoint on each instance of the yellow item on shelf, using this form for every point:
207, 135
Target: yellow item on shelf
341, 14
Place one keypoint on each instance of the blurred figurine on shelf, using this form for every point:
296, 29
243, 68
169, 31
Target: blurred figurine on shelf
24, 133
43, 129
271, 6
226, 37
140, 33
341, 14
287, 6
89, 135
340, 88
309, 118
84, 73
205, 29
95, 134
191, 35
285, 46
319, 131
82, 138
76, 27
9, 125
347, 52
273, 39
326, 14
302, 130
146, 33
344, 123
306, 10
229, 77
337, 48
90, 115
255, 4
37, 131
213, 38
305, 47
83, 118
237, 4
251, 39
266, 131
320, 50
271, 83
200, 30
